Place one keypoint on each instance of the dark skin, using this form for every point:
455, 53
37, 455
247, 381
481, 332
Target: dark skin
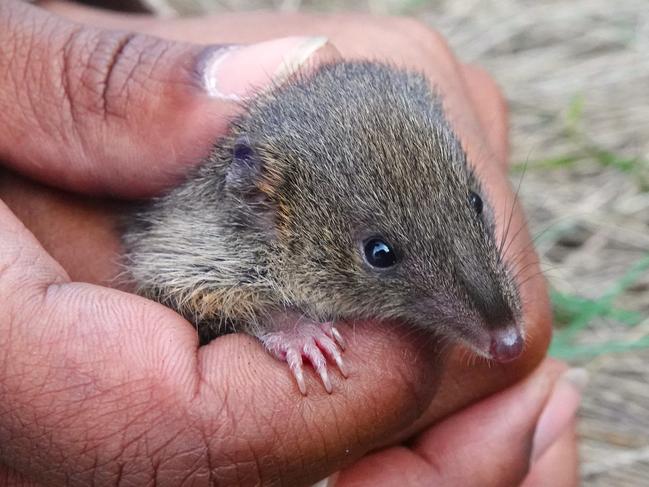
124, 375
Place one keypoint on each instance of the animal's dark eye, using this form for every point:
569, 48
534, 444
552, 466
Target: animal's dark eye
379, 253
476, 202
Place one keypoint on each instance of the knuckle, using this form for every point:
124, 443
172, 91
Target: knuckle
92, 63
21, 67
16, 256
425, 36
487, 82
418, 29
483, 77
107, 73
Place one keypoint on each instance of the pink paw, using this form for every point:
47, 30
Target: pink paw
314, 341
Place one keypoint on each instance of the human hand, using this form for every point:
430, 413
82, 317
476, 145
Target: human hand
474, 105
127, 342
523, 435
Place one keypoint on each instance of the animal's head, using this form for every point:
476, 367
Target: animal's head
375, 210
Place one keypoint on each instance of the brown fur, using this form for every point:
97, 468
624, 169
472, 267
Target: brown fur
354, 150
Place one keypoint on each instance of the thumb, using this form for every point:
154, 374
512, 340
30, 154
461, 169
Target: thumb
112, 112
492, 443
498, 439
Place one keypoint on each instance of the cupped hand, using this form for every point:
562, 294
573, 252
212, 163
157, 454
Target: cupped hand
101, 385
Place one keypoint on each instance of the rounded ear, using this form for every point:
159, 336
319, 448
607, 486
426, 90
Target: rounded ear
245, 169
247, 180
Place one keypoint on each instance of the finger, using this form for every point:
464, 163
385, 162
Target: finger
67, 349
491, 109
559, 465
401, 41
79, 233
103, 386
496, 440
491, 442
115, 112
11, 478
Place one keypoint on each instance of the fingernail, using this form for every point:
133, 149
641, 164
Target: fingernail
559, 411
237, 72
328, 482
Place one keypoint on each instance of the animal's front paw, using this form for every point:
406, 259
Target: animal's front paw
314, 341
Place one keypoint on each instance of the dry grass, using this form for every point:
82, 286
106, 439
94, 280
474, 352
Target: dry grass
576, 74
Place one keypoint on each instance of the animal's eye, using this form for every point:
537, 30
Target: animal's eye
379, 253
476, 202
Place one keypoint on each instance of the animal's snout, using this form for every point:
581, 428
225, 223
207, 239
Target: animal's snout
506, 343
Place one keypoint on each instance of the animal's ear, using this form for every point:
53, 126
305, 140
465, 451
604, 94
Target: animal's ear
245, 171
247, 180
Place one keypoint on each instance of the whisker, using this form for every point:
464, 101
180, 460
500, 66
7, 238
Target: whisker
513, 208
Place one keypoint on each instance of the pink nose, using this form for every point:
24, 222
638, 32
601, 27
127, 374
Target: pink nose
506, 344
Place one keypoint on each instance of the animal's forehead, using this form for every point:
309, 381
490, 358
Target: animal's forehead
394, 160
365, 134
362, 118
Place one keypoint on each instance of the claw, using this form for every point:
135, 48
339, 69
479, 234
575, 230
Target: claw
338, 337
313, 352
324, 376
313, 342
331, 349
340, 364
294, 361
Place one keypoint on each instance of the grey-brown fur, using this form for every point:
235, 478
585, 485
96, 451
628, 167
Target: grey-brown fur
356, 149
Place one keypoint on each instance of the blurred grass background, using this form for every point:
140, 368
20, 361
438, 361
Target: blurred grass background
576, 76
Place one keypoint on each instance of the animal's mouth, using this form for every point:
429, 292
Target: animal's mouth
503, 344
